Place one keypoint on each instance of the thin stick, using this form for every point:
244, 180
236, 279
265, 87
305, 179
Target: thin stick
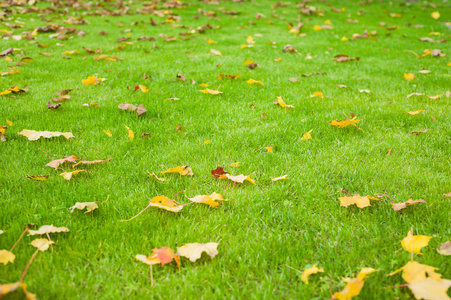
28, 265
391, 200
293, 269
137, 214
21, 236
395, 286
107, 198
151, 277
48, 236
346, 115
46, 153
177, 194
345, 191
231, 194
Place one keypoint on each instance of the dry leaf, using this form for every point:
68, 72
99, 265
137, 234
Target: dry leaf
310, 271
216, 173
399, 206
6, 257
221, 76
182, 170
215, 52
252, 81
237, 164
430, 288
344, 58
239, 178
90, 206
33, 135
317, 94
419, 132
160, 256
354, 285
409, 76
143, 88
47, 229
364, 91
414, 243
435, 97
307, 136
414, 94
55, 163
415, 112
342, 86
344, 123
280, 178
38, 178
194, 251
447, 195
208, 199
86, 162
156, 177
213, 92
63, 92
42, 244
131, 134
165, 203
140, 109
445, 248
92, 80
68, 175
435, 15
282, 103
61, 99
360, 201
414, 271
53, 106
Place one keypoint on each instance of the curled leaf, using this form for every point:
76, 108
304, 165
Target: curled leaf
33, 135
399, 206
194, 251
307, 272
182, 170
68, 175
48, 229
239, 178
55, 163
208, 199
165, 203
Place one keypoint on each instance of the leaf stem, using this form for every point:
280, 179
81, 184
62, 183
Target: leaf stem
137, 214
21, 236
151, 277
293, 269
395, 286
28, 265
46, 153
107, 198
345, 191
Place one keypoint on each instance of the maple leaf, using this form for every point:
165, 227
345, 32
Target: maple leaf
90, 206
6, 257
252, 81
310, 271
239, 178
55, 163
307, 136
213, 92
91, 162
435, 15
194, 251
430, 288
45, 229
165, 203
414, 271
38, 178
42, 244
317, 94
33, 135
156, 177
143, 88
409, 76
182, 170
344, 123
218, 172
61, 99
282, 103
11, 287
161, 256
360, 201
414, 243
140, 109
410, 202
353, 285
208, 199
68, 175
131, 134
92, 80
445, 248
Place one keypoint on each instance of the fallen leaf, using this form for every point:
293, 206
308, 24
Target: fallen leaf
215, 52
61, 99
414, 243
143, 88
55, 163
6, 257
90, 206
140, 109
2, 131
239, 178
278, 59
207, 142
165, 203
208, 199
414, 94
194, 251
156, 177
430, 288
131, 134
68, 175
160, 256
344, 58
364, 91
415, 112
108, 133
33, 135
341, 86
42, 244
38, 178
182, 170
399, 206
344, 123
252, 81
282, 103
419, 132
92, 80
237, 164
435, 97
213, 92
293, 79
48, 229
447, 195
248, 62
317, 94
307, 136
280, 178
221, 76
360, 201
216, 173
424, 72
414, 272
63, 92
86, 162
53, 106
435, 15
353, 285
310, 271
409, 76
270, 149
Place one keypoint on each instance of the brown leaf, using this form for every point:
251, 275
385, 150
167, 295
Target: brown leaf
399, 206
61, 99
91, 162
68, 159
419, 132
7, 51
53, 106
252, 66
218, 172
140, 109
63, 92
181, 77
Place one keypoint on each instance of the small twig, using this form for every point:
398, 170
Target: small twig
345, 191
395, 286
151, 277
177, 194
107, 198
183, 204
391, 200
28, 265
137, 214
17, 242
48, 236
231, 194
46, 153
293, 269
346, 115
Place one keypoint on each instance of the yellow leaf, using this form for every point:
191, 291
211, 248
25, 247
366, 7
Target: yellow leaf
252, 81
8, 59
435, 15
68, 175
360, 201
248, 62
317, 94
269, 149
307, 136
239, 178
282, 103
131, 134
182, 170
48, 229
204, 85
235, 165
72, 52
415, 112
208, 199
213, 92
344, 39
414, 271
194, 251
207, 142
317, 27
435, 97
409, 76
3, 129
42, 244
90, 206
5, 92
280, 178
91, 80
278, 59
414, 243
33, 135
38, 178
108, 133
6, 257
353, 286
165, 203
250, 40
310, 271
156, 177
143, 89
344, 123
430, 288
211, 42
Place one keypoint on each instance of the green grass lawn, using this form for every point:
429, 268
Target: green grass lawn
296, 222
